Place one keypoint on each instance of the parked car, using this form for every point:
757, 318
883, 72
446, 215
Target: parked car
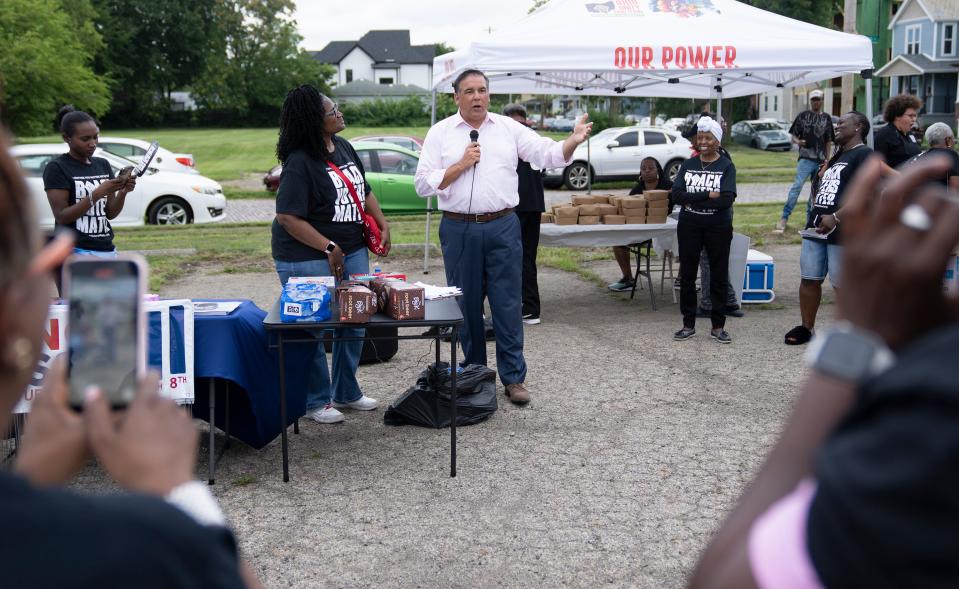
762, 134
674, 124
560, 124
389, 171
407, 141
161, 197
615, 154
133, 149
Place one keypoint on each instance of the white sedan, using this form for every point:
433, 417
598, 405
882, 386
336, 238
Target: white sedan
162, 198
615, 154
133, 149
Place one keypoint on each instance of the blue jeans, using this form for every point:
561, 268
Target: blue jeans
346, 355
486, 261
819, 259
96, 253
804, 169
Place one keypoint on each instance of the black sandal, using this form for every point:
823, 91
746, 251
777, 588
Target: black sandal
798, 336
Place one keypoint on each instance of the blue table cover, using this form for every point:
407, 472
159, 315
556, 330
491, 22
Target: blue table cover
234, 347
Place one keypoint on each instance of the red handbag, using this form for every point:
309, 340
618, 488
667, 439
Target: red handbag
371, 231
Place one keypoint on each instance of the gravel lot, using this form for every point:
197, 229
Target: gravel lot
633, 449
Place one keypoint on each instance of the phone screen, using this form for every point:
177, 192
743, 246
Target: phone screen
104, 342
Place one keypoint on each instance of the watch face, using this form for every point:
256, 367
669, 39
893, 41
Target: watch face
846, 356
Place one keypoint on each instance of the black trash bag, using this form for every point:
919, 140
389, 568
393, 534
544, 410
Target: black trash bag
427, 405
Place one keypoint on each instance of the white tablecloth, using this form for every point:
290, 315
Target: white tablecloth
662, 234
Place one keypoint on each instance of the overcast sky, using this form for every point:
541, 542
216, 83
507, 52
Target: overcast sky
454, 22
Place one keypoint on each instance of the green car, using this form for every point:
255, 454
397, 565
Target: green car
389, 171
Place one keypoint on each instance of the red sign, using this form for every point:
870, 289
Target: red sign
683, 57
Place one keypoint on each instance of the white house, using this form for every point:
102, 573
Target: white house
382, 57
925, 57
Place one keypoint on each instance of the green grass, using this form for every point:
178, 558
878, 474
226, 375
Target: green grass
232, 154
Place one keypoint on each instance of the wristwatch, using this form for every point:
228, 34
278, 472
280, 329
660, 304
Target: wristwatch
330, 247
848, 353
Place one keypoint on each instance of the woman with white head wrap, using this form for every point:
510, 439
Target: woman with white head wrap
706, 188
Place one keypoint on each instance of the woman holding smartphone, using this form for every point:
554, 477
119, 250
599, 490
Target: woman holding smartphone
318, 231
81, 188
705, 187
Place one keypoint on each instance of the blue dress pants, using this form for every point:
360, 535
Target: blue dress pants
485, 260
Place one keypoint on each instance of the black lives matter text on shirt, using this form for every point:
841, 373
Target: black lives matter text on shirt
815, 130
835, 180
312, 190
80, 179
693, 184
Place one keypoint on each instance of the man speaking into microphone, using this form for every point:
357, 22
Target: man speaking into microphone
469, 162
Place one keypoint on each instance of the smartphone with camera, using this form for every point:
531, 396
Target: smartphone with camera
106, 332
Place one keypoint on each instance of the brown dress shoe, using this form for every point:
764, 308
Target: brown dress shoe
517, 393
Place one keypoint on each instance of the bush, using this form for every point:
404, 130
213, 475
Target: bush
408, 112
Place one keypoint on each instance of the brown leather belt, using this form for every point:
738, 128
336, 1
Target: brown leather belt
478, 217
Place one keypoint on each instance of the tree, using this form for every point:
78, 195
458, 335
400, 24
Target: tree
153, 48
536, 4
817, 12
46, 55
441, 48
258, 61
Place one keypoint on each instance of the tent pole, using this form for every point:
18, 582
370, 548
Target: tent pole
867, 78
429, 199
589, 167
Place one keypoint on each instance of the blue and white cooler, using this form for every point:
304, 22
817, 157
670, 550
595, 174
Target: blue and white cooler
759, 279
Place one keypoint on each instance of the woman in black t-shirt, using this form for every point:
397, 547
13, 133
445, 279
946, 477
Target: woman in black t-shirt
318, 231
82, 191
821, 245
895, 142
706, 188
651, 177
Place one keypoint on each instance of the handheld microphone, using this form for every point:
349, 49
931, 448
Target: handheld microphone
474, 137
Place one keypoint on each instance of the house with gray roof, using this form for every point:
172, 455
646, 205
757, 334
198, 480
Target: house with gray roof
925, 57
382, 57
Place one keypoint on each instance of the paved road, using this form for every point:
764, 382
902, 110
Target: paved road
259, 210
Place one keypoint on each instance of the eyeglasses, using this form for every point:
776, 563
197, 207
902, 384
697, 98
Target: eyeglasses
333, 112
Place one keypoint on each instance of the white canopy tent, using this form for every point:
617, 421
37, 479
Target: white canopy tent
656, 48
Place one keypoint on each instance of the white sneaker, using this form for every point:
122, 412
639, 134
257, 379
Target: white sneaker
364, 403
325, 414
531, 319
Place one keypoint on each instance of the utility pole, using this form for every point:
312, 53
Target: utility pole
848, 80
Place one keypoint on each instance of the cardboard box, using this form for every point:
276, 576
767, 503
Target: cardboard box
354, 303
566, 213
400, 300
589, 219
632, 202
588, 210
656, 195
566, 220
601, 200
656, 211
582, 200
635, 219
607, 210
546, 218
614, 219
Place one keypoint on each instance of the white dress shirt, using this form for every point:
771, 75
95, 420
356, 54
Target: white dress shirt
503, 142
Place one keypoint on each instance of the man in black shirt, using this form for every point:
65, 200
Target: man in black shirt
812, 131
529, 210
941, 140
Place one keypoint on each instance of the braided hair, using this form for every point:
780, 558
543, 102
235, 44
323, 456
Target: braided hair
18, 236
68, 117
301, 124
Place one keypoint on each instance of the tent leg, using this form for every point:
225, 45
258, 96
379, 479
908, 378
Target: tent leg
589, 168
868, 80
429, 200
